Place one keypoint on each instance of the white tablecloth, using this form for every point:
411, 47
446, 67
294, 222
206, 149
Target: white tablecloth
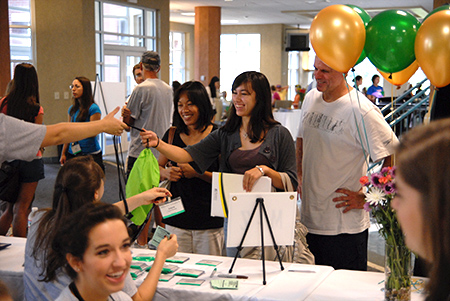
281, 285
353, 285
11, 265
324, 284
289, 119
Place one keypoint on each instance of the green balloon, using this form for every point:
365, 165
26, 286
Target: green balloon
361, 57
366, 19
443, 7
362, 13
390, 37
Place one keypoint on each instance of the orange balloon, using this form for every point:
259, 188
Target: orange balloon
338, 35
432, 48
401, 77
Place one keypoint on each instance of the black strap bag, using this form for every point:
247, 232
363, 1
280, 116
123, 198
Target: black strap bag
9, 182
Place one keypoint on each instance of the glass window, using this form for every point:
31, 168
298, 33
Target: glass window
122, 28
294, 73
243, 51
20, 34
177, 57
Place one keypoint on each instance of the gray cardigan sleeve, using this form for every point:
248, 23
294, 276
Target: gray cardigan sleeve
205, 152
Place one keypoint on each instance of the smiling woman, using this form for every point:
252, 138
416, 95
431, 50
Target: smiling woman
192, 122
94, 247
251, 143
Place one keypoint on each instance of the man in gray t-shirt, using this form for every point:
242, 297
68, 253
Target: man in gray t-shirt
150, 106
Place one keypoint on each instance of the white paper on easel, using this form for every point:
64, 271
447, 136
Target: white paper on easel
225, 183
281, 210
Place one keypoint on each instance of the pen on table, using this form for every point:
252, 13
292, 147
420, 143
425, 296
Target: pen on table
213, 272
232, 276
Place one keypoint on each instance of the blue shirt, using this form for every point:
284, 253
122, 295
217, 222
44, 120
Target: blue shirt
372, 89
88, 145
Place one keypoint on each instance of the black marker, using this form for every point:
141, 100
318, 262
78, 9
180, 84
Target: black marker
136, 128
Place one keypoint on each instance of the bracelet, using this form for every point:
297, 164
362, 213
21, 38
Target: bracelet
156, 143
260, 169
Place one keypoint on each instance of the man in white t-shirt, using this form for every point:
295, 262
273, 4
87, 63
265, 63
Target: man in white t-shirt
150, 106
339, 131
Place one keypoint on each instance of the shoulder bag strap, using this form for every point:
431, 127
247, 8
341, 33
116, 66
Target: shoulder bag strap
171, 134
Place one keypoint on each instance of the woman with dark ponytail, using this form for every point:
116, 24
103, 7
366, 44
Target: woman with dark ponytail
80, 181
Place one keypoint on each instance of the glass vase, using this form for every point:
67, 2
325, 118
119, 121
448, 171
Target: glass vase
398, 272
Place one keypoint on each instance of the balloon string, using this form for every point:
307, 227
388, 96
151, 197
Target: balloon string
366, 156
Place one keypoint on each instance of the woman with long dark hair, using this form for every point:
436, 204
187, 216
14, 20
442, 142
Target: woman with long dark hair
196, 230
251, 142
422, 200
213, 87
93, 247
83, 109
22, 102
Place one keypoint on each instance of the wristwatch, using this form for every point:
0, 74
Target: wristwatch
260, 169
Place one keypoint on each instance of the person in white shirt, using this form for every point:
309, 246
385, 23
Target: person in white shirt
340, 129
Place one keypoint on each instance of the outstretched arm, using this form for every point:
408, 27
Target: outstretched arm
66, 132
172, 152
145, 198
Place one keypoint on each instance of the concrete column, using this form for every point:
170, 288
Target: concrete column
207, 43
5, 67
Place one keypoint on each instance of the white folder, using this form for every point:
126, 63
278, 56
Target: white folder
225, 183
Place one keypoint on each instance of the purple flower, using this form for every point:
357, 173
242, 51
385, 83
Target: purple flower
389, 188
392, 171
385, 170
367, 207
375, 179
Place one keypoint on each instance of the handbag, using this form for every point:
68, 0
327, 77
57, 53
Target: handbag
9, 182
299, 252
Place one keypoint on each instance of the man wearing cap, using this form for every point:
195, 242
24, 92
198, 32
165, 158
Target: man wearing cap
150, 106
339, 130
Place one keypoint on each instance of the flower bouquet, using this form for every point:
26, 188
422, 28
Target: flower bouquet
299, 97
379, 192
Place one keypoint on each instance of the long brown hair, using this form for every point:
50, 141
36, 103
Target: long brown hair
423, 161
84, 102
23, 98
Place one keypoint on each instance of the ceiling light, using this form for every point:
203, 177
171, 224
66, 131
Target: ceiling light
229, 22
188, 14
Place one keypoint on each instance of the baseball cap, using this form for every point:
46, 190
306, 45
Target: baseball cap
151, 58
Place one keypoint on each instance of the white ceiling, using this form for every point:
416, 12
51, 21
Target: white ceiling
290, 12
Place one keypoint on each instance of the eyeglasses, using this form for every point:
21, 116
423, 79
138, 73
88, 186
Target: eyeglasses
76, 86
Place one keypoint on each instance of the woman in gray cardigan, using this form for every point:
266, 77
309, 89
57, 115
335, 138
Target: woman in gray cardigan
251, 142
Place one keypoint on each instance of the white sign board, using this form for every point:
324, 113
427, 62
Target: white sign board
113, 93
281, 211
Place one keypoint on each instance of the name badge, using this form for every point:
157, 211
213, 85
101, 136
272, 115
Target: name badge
172, 208
76, 148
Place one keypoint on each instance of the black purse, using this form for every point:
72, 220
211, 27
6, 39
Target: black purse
9, 182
